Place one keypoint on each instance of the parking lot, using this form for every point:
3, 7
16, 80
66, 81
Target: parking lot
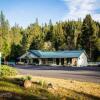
89, 74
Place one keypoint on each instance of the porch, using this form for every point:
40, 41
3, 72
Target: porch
50, 61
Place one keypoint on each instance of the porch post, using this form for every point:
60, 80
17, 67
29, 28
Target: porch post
27, 61
20, 59
54, 61
40, 61
59, 61
65, 61
46, 61
31, 61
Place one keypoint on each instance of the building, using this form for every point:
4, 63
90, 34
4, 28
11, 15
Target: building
66, 58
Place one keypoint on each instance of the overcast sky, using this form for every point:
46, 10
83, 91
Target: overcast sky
24, 12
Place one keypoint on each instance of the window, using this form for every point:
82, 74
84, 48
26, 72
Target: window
50, 60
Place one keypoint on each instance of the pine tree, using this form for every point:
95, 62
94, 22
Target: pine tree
88, 35
24, 43
49, 34
4, 36
58, 40
69, 30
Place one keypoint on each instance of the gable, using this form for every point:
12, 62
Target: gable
28, 55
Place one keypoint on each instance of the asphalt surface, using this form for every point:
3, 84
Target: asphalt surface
89, 74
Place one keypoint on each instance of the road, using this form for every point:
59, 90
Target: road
89, 74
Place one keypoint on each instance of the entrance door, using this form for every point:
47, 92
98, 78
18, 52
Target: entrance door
69, 61
35, 61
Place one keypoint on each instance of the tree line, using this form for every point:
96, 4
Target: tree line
66, 35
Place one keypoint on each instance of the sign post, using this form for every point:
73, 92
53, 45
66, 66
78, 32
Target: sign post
0, 63
0, 58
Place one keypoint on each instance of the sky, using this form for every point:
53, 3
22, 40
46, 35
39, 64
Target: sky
24, 12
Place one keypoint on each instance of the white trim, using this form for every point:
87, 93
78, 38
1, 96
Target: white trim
0, 54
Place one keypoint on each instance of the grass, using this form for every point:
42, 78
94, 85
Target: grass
6, 70
62, 89
17, 92
86, 87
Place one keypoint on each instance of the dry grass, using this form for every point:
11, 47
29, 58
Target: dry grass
9, 90
71, 89
85, 87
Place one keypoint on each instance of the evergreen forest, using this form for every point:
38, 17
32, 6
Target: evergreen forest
63, 35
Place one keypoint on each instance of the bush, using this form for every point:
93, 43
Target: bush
21, 80
43, 83
28, 78
7, 71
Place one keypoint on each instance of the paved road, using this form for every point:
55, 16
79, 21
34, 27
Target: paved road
90, 74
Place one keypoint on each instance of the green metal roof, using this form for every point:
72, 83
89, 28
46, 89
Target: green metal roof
57, 54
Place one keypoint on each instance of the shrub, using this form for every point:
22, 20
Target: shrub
43, 83
28, 78
7, 71
23, 80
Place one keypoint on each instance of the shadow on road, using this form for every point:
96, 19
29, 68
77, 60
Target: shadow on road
65, 68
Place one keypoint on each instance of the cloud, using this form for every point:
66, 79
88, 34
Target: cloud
80, 8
